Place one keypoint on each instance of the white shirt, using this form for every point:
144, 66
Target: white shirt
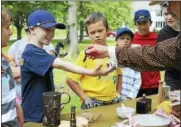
8, 104
112, 53
18, 47
131, 83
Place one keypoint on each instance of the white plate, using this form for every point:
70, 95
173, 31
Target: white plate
150, 120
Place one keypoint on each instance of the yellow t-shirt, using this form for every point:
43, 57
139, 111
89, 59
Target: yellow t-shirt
101, 88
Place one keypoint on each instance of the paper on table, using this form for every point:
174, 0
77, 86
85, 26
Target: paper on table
80, 122
91, 117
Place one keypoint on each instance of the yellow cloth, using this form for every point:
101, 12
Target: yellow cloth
103, 88
166, 106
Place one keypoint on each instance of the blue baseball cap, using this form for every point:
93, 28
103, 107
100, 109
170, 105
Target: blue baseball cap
123, 30
44, 19
142, 15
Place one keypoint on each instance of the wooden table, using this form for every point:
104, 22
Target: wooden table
108, 114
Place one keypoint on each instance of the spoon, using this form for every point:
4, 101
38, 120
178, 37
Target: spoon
129, 114
124, 108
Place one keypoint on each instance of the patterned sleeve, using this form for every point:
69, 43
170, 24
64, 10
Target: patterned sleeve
165, 55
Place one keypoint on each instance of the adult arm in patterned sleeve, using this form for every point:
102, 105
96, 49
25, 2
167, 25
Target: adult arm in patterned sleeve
163, 56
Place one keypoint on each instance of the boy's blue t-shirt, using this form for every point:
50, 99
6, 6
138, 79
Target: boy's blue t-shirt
36, 77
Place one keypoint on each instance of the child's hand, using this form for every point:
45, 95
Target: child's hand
99, 72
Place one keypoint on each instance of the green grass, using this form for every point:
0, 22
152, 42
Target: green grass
60, 77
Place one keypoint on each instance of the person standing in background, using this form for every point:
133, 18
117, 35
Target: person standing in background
172, 29
142, 19
131, 79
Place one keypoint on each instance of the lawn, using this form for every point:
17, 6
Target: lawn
60, 77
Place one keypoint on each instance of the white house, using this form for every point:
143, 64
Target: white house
155, 11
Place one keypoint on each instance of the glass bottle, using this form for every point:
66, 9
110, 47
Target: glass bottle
160, 92
73, 117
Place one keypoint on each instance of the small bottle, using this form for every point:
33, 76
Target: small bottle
166, 91
73, 117
143, 105
160, 92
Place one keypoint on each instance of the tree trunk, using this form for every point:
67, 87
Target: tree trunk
81, 31
81, 34
73, 47
18, 23
19, 29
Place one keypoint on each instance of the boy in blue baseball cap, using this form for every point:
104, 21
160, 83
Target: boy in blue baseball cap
131, 79
142, 20
124, 36
142, 15
37, 64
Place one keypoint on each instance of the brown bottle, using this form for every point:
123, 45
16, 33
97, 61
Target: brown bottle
160, 92
73, 117
143, 105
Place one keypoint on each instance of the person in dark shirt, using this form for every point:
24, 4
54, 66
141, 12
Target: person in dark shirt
37, 65
172, 77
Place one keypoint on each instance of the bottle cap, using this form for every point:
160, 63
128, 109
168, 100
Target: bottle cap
73, 108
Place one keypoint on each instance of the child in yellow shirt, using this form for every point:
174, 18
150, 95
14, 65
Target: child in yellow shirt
95, 91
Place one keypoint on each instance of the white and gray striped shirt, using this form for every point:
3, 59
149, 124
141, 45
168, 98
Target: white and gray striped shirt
8, 105
131, 83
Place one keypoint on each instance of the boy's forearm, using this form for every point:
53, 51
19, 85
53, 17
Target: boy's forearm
76, 88
67, 66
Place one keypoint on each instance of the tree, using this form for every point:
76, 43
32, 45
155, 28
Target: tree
116, 13
73, 47
83, 9
81, 22
21, 9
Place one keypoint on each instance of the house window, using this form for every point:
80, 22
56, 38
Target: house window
158, 12
159, 24
164, 23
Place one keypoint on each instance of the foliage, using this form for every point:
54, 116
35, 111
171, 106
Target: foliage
117, 12
21, 9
